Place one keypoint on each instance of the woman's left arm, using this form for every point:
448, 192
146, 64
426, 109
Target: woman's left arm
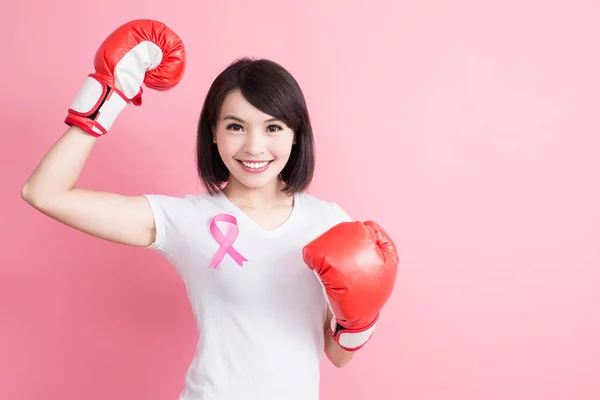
336, 354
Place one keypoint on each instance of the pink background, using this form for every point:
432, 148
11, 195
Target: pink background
469, 129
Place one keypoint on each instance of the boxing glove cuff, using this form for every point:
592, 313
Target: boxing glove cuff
351, 339
97, 105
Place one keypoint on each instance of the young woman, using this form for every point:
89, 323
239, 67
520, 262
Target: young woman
276, 277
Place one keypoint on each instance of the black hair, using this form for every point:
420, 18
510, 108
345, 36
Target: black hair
273, 90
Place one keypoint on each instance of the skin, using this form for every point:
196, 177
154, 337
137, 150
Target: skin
244, 133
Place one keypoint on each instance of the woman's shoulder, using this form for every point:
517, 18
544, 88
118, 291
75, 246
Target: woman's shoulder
323, 208
182, 203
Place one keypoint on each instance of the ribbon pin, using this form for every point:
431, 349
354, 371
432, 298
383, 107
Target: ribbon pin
226, 242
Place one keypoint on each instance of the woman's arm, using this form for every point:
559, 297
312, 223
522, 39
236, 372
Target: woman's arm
52, 190
336, 354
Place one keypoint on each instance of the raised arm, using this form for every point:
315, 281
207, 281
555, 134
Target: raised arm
142, 51
52, 190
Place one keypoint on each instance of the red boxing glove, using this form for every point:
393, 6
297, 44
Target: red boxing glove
357, 264
141, 51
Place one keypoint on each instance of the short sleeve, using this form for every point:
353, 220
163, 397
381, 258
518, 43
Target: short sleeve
169, 216
340, 214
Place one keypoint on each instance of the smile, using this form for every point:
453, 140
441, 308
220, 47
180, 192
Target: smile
255, 166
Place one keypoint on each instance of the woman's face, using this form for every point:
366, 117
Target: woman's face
254, 146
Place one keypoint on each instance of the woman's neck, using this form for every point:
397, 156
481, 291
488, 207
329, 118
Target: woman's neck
266, 197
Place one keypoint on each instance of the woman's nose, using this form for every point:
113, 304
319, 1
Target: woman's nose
255, 143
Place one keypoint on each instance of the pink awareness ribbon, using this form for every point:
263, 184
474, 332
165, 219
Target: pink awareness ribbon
226, 242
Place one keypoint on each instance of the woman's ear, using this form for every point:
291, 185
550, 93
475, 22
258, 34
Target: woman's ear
213, 131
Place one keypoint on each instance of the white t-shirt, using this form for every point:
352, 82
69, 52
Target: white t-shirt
260, 325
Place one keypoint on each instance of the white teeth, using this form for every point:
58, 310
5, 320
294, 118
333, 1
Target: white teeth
254, 164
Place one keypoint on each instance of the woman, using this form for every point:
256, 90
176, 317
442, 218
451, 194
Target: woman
248, 249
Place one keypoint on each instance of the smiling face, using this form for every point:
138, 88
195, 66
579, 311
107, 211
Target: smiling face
255, 112
254, 146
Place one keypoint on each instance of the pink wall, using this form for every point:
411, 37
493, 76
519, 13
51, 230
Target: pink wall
470, 131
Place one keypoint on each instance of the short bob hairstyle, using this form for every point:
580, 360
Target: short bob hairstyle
273, 90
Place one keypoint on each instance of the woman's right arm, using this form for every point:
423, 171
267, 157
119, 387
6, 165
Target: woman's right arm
52, 190
121, 68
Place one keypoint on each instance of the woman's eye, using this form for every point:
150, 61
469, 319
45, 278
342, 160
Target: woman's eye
274, 128
235, 127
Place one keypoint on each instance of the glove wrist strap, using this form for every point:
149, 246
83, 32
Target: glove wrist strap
97, 105
351, 339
